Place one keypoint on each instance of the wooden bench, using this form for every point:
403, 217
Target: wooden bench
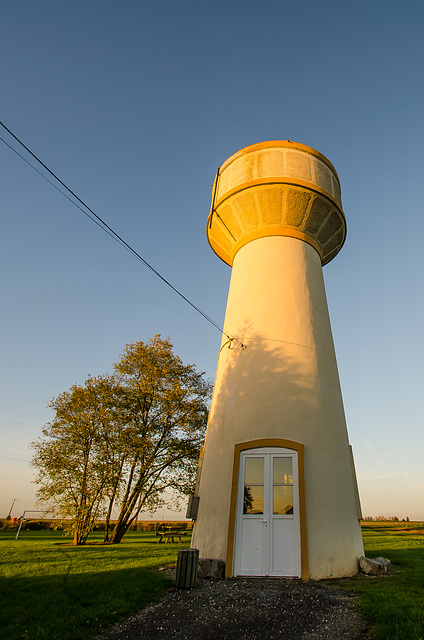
168, 536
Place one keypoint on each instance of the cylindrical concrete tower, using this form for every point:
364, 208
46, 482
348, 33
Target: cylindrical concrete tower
276, 484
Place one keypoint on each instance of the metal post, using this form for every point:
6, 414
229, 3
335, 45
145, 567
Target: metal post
10, 511
22, 519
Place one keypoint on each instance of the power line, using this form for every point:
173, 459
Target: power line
57, 189
102, 224
20, 460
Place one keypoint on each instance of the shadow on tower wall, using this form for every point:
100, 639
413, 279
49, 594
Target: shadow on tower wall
263, 388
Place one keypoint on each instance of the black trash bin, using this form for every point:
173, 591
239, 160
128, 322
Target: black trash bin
187, 568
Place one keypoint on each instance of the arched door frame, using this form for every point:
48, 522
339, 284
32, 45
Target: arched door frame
257, 444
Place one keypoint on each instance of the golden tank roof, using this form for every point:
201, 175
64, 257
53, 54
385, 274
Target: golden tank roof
276, 188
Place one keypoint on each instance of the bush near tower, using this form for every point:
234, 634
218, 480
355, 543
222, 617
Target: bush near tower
119, 441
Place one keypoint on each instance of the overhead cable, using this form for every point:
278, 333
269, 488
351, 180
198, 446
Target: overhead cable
102, 224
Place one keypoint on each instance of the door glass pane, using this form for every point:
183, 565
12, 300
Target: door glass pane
254, 472
253, 497
253, 500
282, 499
283, 471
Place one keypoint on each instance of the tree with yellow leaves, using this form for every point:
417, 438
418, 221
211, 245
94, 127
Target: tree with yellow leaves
117, 443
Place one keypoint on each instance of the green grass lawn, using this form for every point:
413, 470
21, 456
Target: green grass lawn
393, 605
49, 589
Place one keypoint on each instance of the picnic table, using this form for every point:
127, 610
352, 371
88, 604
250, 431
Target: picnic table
169, 533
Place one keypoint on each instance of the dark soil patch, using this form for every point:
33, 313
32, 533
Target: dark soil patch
247, 609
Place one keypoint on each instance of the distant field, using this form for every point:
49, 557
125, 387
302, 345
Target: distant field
50, 590
381, 524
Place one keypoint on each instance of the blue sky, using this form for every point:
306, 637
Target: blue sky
134, 105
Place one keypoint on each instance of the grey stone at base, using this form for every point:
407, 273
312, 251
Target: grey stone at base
376, 567
210, 568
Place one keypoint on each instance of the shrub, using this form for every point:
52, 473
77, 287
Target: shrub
35, 525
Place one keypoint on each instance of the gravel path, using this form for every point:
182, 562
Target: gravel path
247, 609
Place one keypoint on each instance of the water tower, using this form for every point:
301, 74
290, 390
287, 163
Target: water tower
276, 487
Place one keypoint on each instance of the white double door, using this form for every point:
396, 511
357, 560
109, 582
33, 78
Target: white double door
267, 523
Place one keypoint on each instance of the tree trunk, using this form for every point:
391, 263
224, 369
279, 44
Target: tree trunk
79, 538
124, 523
118, 533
